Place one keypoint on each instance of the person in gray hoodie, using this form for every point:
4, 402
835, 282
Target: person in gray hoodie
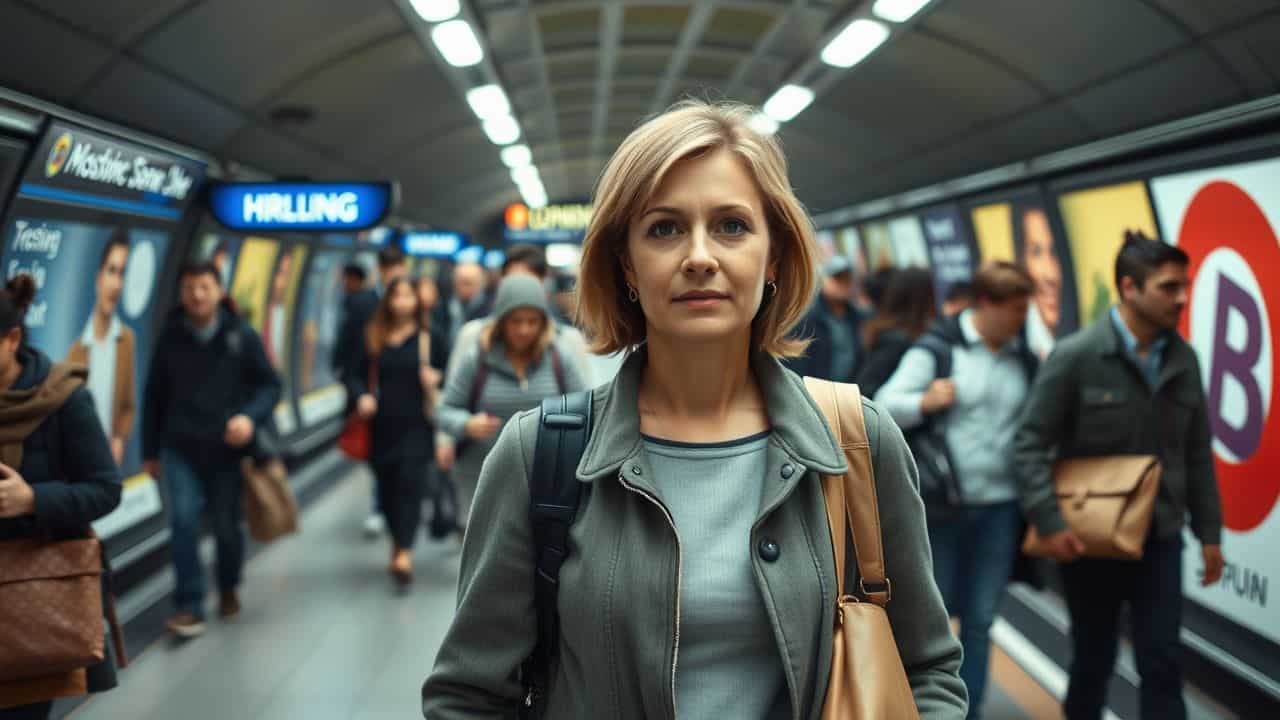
513, 367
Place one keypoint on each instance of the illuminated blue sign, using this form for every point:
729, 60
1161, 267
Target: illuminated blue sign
471, 254
437, 244
494, 259
300, 206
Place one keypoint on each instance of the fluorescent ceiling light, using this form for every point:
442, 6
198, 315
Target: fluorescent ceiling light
488, 101
855, 43
788, 102
527, 175
457, 43
898, 11
763, 124
535, 196
435, 11
502, 130
517, 156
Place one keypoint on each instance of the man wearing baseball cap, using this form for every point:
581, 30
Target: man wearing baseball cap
835, 324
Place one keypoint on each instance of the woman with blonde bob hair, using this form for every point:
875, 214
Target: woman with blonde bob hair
700, 578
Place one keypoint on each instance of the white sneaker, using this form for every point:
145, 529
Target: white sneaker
374, 525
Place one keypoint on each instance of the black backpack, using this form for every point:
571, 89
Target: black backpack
939, 486
564, 426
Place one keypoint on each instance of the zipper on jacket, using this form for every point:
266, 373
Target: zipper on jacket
675, 652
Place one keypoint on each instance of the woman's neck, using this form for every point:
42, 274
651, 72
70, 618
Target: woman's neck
11, 373
401, 328
703, 393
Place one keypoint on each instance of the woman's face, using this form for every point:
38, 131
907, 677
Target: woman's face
9, 344
403, 302
1042, 264
698, 254
110, 279
521, 329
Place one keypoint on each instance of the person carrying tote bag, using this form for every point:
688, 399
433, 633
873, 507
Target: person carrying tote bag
57, 475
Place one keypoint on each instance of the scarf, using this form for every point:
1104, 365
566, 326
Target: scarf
22, 411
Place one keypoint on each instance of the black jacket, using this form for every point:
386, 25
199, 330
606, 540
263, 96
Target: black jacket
348, 350
1091, 400
66, 461
194, 388
879, 364
816, 361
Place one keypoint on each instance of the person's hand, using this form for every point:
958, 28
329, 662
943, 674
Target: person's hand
483, 426
446, 453
940, 396
239, 431
1213, 564
152, 468
117, 450
431, 377
366, 406
1065, 546
16, 496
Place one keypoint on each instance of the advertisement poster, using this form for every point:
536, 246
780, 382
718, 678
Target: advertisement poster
909, 246
264, 287
849, 244
879, 246
1022, 232
1096, 221
221, 250
95, 287
320, 312
950, 250
1228, 220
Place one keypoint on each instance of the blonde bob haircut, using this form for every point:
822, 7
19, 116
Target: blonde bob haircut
691, 129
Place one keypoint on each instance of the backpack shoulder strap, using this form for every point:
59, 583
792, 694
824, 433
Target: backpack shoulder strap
554, 491
941, 351
852, 497
482, 376
557, 367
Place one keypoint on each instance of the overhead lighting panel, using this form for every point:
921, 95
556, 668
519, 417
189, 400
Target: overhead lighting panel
788, 102
488, 101
857, 41
434, 11
502, 130
517, 156
898, 11
527, 175
763, 124
457, 42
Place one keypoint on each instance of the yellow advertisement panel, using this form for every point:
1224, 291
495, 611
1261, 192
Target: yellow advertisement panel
993, 226
1096, 221
253, 278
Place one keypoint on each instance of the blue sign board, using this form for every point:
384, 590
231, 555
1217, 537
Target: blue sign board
469, 254
329, 207
494, 259
433, 243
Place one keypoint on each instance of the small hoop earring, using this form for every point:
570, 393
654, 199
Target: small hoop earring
773, 289
632, 295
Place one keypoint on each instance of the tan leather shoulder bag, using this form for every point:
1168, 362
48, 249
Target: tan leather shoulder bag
868, 680
1107, 502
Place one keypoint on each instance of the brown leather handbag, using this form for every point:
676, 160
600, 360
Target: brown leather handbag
270, 509
1107, 502
868, 680
51, 593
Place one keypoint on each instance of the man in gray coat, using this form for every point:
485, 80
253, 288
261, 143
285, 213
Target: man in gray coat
1127, 385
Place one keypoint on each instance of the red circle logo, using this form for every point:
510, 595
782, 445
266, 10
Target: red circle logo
1246, 432
517, 216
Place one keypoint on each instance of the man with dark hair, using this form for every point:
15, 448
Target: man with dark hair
971, 372
209, 389
835, 326
354, 278
526, 257
349, 348
1127, 385
958, 298
106, 347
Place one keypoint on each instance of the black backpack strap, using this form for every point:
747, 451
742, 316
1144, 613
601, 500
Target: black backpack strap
940, 350
554, 491
557, 367
477, 383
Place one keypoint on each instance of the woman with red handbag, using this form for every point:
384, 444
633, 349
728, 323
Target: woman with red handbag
392, 387
57, 475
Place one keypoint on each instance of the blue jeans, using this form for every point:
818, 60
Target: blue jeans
191, 493
1096, 589
973, 556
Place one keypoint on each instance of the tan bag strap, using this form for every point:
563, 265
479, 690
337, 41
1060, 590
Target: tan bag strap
854, 492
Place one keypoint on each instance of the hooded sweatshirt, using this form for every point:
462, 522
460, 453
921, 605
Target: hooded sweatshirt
197, 384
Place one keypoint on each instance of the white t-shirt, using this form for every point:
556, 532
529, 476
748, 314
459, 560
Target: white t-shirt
102, 369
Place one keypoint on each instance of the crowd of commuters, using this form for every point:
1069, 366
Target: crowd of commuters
702, 574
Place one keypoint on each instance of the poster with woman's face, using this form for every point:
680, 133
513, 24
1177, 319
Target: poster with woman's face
1046, 258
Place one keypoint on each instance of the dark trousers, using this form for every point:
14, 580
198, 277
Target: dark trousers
401, 485
193, 493
36, 711
1096, 590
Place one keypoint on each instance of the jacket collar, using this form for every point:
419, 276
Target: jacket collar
798, 426
1178, 356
